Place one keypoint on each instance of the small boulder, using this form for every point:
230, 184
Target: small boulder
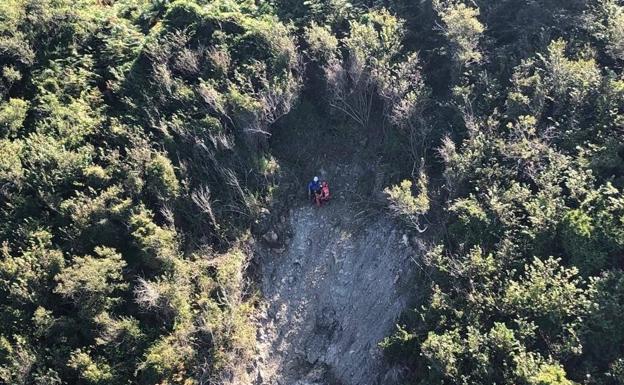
271, 238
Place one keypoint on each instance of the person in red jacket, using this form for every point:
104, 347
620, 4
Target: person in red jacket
324, 195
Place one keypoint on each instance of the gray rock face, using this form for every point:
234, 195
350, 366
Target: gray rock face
330, 297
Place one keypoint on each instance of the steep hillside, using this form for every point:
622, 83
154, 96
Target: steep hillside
333, 291
154, 226
333, 279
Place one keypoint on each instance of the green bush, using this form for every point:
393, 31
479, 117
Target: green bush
582, 243
90, 281
160, 177
159, 246
12, 116
89, 370
11, 170
404, 204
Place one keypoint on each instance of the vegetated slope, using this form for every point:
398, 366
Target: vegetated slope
131, 139
134, 157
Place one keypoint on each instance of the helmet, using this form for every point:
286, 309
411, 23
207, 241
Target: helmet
316, 178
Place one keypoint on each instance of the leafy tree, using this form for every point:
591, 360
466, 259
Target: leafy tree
323, 45
406, 96
601, 332
463, 30
372, 43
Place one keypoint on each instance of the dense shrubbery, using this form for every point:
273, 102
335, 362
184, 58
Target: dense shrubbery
124, 130
134, 155
533, 214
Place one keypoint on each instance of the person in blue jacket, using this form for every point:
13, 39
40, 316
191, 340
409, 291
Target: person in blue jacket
314, 188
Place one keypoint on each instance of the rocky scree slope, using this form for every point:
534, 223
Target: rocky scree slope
332, 290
